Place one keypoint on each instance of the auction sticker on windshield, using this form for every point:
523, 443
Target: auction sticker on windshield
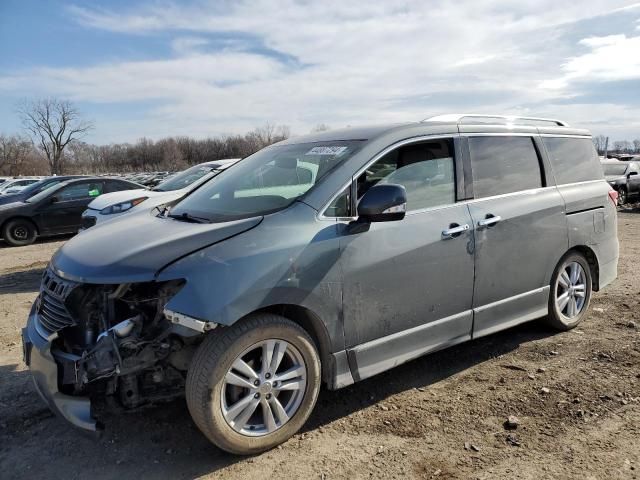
337, 150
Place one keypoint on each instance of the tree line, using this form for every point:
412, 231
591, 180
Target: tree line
617, 146
53, 144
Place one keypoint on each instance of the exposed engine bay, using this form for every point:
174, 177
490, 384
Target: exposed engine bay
113, 342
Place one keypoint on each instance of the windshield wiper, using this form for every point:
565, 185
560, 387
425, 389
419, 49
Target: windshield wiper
187, 217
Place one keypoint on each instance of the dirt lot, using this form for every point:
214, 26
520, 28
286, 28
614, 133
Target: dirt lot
438, 417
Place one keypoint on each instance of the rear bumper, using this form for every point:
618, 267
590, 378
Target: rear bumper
47, 370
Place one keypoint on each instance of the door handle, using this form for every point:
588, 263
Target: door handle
489, 221
454, 230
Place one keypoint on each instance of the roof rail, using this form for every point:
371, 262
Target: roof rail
459, 119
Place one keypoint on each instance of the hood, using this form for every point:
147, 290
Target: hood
11, 198
10, 206
133, 250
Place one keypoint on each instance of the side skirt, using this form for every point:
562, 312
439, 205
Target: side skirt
378, 355
510, 312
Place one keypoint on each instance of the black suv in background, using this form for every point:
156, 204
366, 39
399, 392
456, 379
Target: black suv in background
56, 210
624, 177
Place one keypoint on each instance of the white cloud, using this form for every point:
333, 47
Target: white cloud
348, 62
188, 45
614, 57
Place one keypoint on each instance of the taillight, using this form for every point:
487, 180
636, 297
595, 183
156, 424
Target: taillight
613, 195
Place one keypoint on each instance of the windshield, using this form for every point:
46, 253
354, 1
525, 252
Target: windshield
266, 181
612, 169
43, 194
183, 179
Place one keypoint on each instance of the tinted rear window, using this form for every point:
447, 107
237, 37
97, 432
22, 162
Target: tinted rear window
573, 159
503, 165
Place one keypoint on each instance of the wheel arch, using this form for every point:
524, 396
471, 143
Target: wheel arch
313, 325
592, 260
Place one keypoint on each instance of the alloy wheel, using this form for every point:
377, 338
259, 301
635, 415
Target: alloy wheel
264, 388
571, 290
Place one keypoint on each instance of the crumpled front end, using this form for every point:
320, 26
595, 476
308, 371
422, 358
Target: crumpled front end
91, 347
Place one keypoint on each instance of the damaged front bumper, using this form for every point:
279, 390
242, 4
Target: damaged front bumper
48, 368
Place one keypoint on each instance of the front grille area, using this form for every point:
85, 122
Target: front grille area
52, 312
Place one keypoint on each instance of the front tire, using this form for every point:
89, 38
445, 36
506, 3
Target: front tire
571, 287
19, 232
623, 196
251, 386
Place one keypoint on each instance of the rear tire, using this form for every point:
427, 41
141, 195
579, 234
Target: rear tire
19, 232
231, 369
570, 292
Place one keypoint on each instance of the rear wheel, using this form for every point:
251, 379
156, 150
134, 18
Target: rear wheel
19, 232
571, 287
251, 386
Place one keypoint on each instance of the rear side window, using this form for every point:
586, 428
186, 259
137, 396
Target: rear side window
573, 159
504, 165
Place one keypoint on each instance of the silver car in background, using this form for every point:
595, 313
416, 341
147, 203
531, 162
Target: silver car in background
113, 205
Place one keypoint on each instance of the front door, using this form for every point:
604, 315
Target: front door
407, 285
520, 229
62, 212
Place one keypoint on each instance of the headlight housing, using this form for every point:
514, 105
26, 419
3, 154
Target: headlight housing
122, 206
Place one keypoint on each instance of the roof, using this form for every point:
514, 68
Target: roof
343, 134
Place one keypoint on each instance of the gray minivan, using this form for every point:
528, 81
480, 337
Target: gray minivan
326, 258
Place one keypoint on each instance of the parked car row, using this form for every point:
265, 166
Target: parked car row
624, 177
15, 185
68, 204
114, 205
148, 179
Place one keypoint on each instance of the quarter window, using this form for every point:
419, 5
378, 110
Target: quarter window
341, 205
504, 165
573, 159
426, 170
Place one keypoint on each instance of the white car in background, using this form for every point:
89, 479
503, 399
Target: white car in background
114, 205
16, 185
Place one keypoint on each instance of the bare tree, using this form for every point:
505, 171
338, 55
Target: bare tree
14, 151
53, 124
599, 141
270, 133
636, 145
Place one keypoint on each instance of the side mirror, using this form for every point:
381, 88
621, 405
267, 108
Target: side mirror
54, 199
632, 173
383, 203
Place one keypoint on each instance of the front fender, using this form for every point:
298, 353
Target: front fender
290, 258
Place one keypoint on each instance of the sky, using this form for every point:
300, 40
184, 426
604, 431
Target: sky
207, 68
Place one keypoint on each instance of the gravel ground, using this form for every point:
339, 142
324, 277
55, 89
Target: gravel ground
576, 396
